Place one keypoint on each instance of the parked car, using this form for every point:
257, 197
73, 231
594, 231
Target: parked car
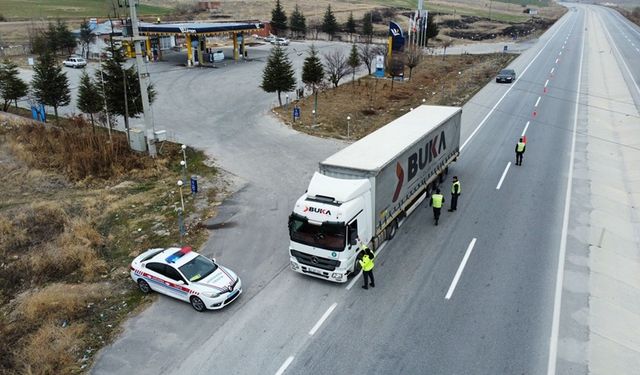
186, 275
506, 75
270, 39
280, 42
75, 62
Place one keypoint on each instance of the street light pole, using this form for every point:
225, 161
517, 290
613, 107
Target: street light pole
348, 127
144, 81
184, 155
180, 183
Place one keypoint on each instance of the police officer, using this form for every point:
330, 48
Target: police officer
520, 146
455, 193
366, 263
436, 202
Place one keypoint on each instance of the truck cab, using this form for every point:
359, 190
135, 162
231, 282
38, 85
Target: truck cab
326, 224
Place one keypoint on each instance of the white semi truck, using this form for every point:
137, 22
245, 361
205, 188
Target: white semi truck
365, 190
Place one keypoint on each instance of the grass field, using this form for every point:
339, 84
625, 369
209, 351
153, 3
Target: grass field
74, 9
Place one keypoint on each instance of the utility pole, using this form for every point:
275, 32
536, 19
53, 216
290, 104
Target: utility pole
144, 80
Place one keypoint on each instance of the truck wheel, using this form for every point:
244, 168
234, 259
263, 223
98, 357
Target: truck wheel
393, 229
441, 177
446, 170
356, 268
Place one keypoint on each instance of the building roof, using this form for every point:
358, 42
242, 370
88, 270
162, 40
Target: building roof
201, 28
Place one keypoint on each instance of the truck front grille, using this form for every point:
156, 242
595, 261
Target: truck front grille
315, 261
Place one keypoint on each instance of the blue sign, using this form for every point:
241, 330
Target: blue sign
296, 112
38, 113
397, 37
194, 184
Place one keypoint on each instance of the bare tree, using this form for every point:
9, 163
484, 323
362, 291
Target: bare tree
367, 55
446, 44
413, 55
336, 66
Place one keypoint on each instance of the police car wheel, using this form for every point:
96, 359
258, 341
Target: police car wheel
197, 304
144, 287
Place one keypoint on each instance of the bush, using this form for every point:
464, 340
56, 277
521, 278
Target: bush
39, 223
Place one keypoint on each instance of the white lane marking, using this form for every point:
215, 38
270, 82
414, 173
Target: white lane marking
637, 49
511, 87
546, 83
557, 60
560, 54
323, 318
284, 366
606, 29
525, 129
460, 269
504, 174
538, 101
557, 303
553, 70
377, 253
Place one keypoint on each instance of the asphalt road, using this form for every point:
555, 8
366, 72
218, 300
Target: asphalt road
474, 295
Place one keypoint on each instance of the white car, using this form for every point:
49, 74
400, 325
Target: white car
75, 62
270, 39
280, 42
218, 56
186, 275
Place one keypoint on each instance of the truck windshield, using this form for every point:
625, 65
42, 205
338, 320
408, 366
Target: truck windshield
330, 236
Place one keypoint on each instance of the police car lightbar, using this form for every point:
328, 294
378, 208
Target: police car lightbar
178, 254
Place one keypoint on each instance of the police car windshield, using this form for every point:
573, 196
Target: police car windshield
198, 268
329, 236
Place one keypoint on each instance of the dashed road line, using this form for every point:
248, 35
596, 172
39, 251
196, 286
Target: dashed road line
557, 60
511, 87
460, 269
322, 319
284, 366
525, 129
546, 83
553, 70
504, 174
538, 101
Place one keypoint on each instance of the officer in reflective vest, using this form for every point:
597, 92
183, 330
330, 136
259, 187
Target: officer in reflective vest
455, 193
520, 147
366, 263
436, 202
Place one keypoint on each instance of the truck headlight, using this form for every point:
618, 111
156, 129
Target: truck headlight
294, 265
337, 276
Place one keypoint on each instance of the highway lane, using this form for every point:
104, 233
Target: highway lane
498, 319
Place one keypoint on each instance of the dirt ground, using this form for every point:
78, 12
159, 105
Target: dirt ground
372, 103
68, 237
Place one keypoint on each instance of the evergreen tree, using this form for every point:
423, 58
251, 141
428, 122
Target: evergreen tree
367, 26
432, 29
12, 87
350, 26
115, 78
354, 61
313, 72
86, 37
50, 83
89, 97
278, 19
278, 75
297, 22
329, 23
65, 38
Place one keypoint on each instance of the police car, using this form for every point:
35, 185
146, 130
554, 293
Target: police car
186, 275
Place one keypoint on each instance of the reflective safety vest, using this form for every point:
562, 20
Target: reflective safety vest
437, 200
453, 188
366, 263
520, 147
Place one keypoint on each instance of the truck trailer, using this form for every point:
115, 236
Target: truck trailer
364, 191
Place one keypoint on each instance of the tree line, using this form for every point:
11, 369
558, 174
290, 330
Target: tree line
113, 89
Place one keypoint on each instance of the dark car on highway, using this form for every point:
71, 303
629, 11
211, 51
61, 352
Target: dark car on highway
506, 75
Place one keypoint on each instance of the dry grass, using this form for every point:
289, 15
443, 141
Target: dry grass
372, 103
73, 221
59, 301
52, 349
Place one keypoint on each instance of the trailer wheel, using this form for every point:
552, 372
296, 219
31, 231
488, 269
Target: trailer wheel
393, 229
